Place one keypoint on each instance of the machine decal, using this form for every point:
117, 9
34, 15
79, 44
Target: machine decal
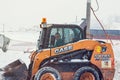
102, 57
63, 49
105, 60
106, 64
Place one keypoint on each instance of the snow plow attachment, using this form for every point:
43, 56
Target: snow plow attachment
16, 70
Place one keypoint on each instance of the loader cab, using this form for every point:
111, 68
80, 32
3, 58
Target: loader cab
67, 34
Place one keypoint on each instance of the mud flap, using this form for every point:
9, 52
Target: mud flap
16, 70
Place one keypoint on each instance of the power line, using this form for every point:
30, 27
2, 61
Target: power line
107, 36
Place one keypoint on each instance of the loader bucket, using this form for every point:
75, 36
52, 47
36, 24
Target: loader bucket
16, 70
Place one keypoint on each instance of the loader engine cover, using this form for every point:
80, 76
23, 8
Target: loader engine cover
16, 70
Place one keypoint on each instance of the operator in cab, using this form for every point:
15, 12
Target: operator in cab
58, 40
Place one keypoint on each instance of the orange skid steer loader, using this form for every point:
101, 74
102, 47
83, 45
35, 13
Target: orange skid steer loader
74, 58
64, 53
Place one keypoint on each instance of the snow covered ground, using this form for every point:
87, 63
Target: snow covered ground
10, 55
116, 47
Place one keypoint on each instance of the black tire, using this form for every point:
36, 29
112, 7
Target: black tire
47, 70
88, 69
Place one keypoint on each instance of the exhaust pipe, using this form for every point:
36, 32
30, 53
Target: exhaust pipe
88, 14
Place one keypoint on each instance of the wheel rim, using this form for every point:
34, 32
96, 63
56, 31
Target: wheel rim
48, 76
87, 76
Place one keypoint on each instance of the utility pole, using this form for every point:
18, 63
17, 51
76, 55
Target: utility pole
88, 13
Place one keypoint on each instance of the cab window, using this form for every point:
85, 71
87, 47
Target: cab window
64, 35
56, 37
72, 35
68, 35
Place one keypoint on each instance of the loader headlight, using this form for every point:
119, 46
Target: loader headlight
104, 48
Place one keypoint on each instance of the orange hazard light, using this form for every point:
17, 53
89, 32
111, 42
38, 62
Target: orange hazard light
44, 20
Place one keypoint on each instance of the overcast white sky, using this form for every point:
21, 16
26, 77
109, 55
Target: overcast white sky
23, 12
